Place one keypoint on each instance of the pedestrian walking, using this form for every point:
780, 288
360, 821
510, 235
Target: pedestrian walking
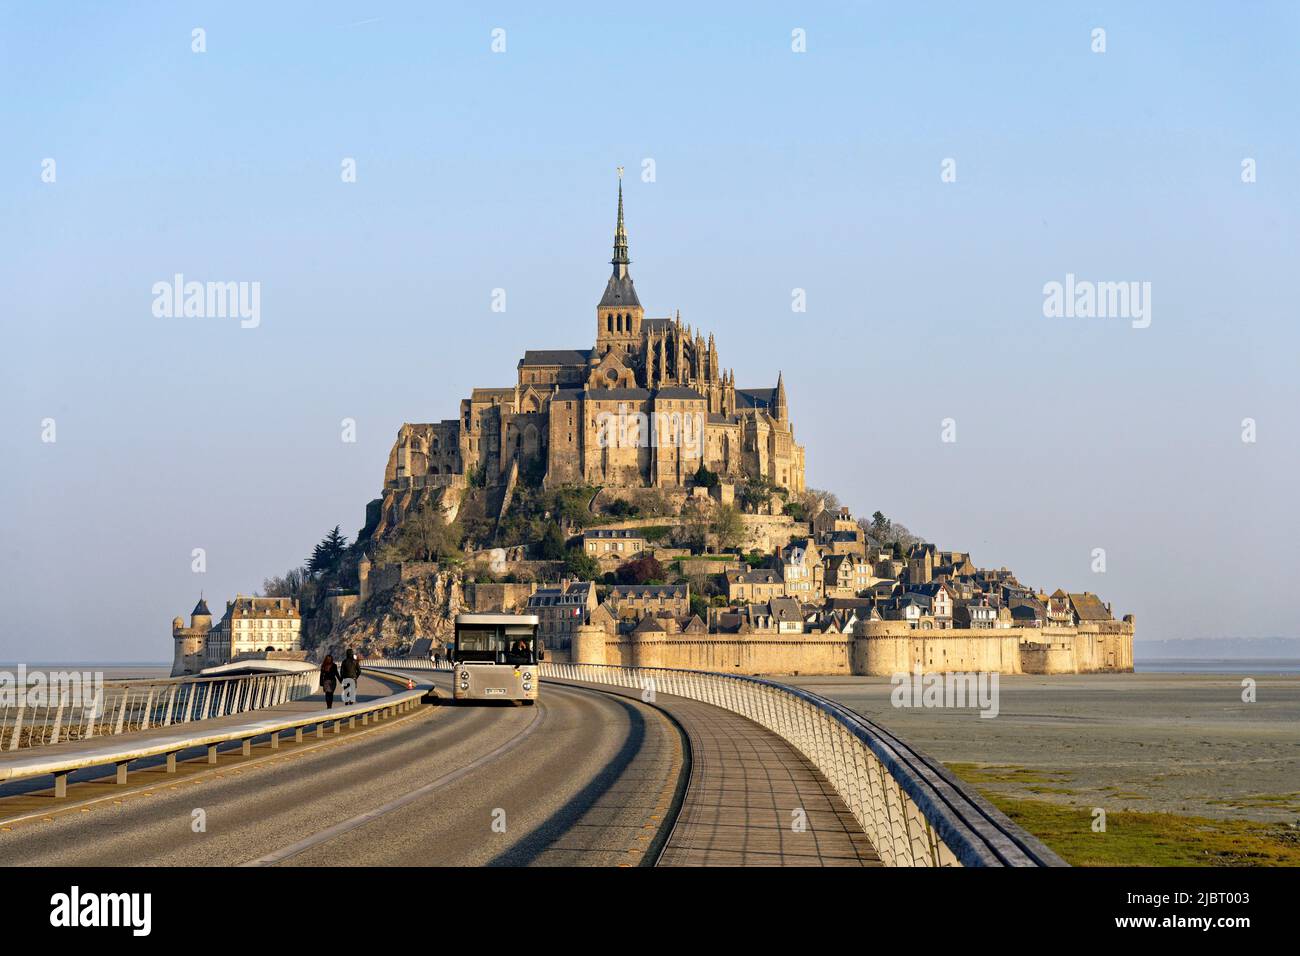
329, 679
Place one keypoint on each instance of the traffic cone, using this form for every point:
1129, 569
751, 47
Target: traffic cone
410, 684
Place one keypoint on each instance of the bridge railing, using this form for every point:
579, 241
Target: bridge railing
915, 812
171, 743
407, 663
72, 706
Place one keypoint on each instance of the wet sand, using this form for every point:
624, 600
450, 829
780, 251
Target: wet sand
1178, 743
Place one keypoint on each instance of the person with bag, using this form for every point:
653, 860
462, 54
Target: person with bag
329, 679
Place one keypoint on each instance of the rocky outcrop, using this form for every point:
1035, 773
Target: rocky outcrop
390, 621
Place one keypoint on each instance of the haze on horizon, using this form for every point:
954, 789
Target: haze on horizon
773, 171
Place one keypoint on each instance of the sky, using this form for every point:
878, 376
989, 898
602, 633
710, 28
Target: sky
828, 170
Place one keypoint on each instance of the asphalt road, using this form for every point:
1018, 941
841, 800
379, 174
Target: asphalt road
583, 778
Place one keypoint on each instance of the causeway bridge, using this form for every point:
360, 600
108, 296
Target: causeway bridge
615, 766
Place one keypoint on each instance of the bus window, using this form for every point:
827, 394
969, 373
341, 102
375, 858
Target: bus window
484, 644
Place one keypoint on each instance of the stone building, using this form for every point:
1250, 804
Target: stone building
642, 407
561, 610
634, 601
250, 625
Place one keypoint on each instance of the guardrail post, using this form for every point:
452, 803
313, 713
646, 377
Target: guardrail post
171, 762
18, 723
121, 771
212, 753
297, 735
275, 740
148, 709
61, 785
58, 722
246, 746
121, 713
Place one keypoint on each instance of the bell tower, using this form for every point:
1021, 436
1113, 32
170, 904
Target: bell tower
619, 314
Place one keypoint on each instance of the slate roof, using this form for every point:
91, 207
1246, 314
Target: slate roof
578, 593
755, 397
648, 590
786, 609
1088, 607
649, 625
619, 292
555, 357
679, 391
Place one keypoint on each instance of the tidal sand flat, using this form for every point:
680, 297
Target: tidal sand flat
1175, 743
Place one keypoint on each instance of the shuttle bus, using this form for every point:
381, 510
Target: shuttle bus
495, 657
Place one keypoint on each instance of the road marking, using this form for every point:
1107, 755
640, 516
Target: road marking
362, 819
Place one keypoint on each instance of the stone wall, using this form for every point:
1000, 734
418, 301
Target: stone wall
880, 648
497, 598
728, 654
888, 647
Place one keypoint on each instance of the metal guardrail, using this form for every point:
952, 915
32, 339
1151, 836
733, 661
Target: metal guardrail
407, 663
121, 752
914, 811
70, 712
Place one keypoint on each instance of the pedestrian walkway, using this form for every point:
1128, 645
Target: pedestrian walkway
752, 799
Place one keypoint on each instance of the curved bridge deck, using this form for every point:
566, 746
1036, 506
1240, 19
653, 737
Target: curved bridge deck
752, 799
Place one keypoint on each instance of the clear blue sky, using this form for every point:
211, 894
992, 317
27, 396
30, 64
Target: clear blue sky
775, 170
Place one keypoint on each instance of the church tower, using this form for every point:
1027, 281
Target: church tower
619, 314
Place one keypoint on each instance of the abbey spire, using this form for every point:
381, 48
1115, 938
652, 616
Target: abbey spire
620, 261
619, 313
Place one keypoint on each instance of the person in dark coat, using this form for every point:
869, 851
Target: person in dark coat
329, 679
351, 670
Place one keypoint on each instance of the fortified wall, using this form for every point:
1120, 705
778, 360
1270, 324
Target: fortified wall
879, 648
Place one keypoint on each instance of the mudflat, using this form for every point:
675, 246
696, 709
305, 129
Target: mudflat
1174, 743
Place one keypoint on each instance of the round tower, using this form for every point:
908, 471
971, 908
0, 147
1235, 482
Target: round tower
647, 640
363, 577
588, 645
189, 641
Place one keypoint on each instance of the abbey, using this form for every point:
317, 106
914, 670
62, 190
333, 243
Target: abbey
553, 422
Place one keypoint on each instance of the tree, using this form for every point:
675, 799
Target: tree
290, 585
727, 527
880, 527
426, 535
700, 606
694, 529
579, 564
327, 557
757, 491
551, 547
640, 570
705, 478
815, 500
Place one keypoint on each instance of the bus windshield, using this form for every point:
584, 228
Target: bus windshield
495, 644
